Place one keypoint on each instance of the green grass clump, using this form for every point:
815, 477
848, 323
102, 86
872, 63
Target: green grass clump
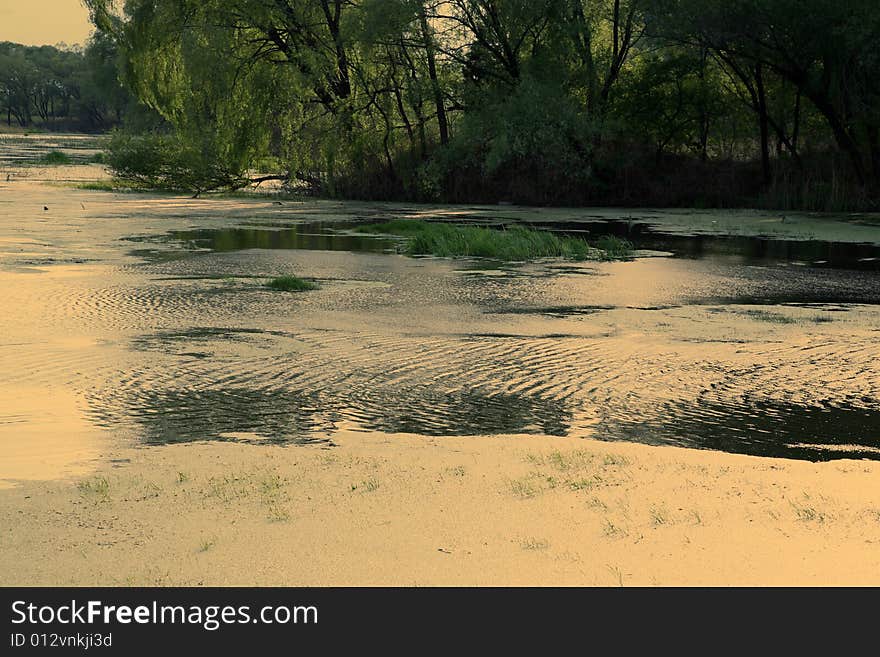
291, 284
614, 247
55, 157
766, 316
112, 185
97, 488
98, 186
514, 243
98, 158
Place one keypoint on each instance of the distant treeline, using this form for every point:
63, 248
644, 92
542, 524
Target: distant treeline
61, 88
661, 102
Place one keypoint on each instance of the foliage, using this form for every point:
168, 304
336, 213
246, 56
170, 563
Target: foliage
536, 101
55, 158
168, 162
614, 247
512, 243
532, 133
63, 88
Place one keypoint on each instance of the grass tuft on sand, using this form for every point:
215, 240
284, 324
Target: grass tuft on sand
514, 243
291, 284
56, 158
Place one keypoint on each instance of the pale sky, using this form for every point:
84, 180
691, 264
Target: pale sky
44, 22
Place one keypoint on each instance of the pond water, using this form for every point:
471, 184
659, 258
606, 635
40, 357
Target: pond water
27, 149
737, 249
743, 249
314, 236
144, 319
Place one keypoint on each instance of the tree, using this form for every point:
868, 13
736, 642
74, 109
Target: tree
551, 99
827, 50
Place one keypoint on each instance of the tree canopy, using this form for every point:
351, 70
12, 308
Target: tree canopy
542, 101
63, 88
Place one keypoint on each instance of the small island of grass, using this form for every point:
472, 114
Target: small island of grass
56, 158
291, 284
513, 243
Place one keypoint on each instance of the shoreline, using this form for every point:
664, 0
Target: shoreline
403, 510
770, 224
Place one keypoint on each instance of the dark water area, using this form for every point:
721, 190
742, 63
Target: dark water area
760, 428
787, 272
467, 413
233, 414
314, 236
737, 249
746, 250
29, 149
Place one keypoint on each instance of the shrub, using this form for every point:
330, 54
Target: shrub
165, 162
614, 247
55, 157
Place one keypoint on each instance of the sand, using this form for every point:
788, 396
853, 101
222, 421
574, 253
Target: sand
409, 510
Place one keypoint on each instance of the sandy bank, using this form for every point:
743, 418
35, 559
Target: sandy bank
402, 510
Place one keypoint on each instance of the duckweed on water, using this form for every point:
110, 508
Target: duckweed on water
291, 284
515, 243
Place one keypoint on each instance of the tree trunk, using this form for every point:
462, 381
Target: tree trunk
583, 41
428, 38
763, 123
844, 139
821, 101
704, 114
342, 83
874, 141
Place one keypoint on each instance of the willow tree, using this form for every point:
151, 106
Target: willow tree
219, 106
323, 84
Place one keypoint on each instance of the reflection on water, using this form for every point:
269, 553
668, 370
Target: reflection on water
760, 428
431, 413
273, 416
555, 311
24, 149
43, 434
314, 236
747, 250
171, 415
741, 249
724, 395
